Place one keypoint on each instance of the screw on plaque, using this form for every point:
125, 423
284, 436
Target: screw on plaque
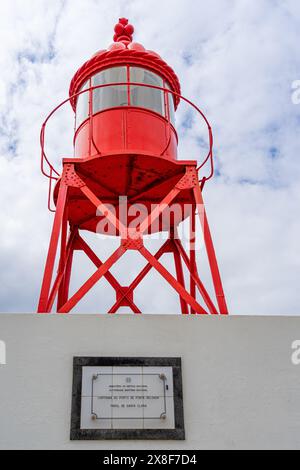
163, 416
162, 377
95, 376
93, 416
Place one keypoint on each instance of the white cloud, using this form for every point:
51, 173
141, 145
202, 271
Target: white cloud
237, 60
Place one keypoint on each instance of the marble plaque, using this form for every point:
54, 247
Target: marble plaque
127, 398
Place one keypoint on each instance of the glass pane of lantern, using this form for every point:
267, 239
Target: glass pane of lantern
171, 105
144, 97
112, 96
82, 106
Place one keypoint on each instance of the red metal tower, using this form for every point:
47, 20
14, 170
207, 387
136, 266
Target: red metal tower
125, 144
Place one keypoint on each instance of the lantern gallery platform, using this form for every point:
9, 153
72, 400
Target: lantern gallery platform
145, 181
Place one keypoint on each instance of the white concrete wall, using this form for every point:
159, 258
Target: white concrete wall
241, 389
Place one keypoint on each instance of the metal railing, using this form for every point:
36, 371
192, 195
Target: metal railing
52, 174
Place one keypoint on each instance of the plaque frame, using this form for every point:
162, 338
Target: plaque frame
76, 433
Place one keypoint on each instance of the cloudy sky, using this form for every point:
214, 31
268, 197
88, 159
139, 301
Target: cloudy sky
239, 60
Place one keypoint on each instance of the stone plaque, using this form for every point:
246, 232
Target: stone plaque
127, 398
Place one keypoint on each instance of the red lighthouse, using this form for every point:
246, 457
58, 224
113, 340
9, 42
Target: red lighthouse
125, 179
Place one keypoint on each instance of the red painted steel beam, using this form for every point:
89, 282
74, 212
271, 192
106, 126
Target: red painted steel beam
65, 254
172, 281
48, 273
180, 277
192, 260
108, 276
163, 249
86, 287
105, 211
210, 252
157, 211
63, 291
212, 309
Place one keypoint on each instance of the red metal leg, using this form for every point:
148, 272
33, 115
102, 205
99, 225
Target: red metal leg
65, 254
62, 260
210, 252
180, 277
63, 290
194, 274
158, 210
109, 277
163, 249
63, 239
84, 289
121, 229
48, 273
172, 281
192, 255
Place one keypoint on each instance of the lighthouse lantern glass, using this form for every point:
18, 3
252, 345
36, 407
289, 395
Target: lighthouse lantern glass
111, 96
82, 107
144, 97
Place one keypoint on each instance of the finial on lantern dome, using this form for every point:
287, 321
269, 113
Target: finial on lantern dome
123, 31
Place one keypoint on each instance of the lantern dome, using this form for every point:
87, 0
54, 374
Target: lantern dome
123, 51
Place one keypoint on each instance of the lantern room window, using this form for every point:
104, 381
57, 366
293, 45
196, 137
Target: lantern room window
111, 96
114, 96
146, 97
82, 106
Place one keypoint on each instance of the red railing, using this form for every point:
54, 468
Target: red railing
53, 175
